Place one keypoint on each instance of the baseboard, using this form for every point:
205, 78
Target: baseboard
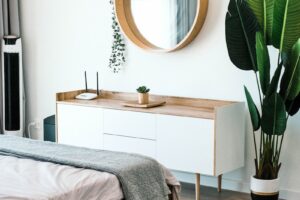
232, 184
289, 194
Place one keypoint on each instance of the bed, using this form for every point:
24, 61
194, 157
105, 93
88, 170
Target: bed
39, 170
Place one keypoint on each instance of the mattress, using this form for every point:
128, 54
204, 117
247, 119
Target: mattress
34, 180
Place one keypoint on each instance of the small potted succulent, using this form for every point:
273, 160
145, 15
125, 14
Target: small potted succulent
143, 94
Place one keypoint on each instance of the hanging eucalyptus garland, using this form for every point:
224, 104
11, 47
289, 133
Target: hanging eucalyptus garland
117, 57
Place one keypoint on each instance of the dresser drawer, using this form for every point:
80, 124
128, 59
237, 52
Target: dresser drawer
129, 145
132, 124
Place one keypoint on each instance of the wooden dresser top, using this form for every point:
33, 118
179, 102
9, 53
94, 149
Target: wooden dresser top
178, 106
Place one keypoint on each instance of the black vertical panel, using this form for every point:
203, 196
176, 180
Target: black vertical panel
12, 91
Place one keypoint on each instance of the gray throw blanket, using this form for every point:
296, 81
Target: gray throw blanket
141, 177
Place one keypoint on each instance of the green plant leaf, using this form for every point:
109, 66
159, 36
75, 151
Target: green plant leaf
254, 114
142, 89
263, 62
241, 27
285, 57
275, 80
286, 24
263, 10
293, 106
273, 121
290, 85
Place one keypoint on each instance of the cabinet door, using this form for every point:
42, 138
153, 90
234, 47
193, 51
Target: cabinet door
186, 144
80, 126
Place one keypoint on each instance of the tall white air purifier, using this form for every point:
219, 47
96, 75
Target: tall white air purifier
12, 86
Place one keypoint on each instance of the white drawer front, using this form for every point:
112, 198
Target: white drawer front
129, 145
132, 124
186, 144
79, 126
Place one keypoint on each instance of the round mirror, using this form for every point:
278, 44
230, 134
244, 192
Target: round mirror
161, 25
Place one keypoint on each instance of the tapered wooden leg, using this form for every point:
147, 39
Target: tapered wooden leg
197, 188
220, 183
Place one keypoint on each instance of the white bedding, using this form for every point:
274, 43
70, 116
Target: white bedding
29, 179
34, 180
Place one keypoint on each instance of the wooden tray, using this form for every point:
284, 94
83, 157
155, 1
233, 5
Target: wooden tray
135, 104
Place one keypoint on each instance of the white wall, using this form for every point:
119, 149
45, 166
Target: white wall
62, 38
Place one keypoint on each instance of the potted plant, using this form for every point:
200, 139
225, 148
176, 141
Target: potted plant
143, 95
252, 25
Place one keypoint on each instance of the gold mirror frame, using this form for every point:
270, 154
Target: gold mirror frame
129, 28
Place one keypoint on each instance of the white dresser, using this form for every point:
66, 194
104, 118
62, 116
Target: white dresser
191, 135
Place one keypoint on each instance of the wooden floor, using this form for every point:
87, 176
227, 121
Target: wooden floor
188, 193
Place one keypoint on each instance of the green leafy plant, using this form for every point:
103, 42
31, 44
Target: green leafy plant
143, 89
252, 25
117, 57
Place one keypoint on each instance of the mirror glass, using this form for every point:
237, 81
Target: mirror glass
164, 23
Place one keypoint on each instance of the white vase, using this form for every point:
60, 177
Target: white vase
264, 189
